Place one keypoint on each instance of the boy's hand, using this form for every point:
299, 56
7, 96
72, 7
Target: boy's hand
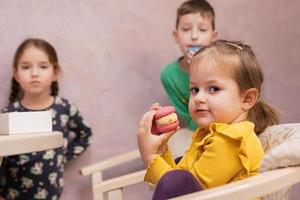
190, 52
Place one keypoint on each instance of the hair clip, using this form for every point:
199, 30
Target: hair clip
235, 45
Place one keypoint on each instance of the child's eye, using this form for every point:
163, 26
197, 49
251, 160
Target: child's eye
185, 29
44, 66
214, 89
24, 67
194, 90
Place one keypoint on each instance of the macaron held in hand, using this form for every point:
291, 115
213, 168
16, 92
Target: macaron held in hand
165, 120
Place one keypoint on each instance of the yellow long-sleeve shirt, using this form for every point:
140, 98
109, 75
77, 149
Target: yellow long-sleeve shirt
229, 152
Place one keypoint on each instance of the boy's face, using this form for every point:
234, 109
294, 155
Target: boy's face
194, 30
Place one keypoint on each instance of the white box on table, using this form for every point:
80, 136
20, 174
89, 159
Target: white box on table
25, 122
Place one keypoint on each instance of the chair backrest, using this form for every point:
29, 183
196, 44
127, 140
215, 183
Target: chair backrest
281, 146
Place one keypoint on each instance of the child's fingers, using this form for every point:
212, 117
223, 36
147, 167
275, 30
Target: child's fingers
190, 57
149, 119
166, 136
155, 106
146, 123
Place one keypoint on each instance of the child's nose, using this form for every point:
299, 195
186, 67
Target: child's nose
34, 71
194, 35
200, 97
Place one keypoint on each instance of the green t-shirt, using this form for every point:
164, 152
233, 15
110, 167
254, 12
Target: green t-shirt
176, 83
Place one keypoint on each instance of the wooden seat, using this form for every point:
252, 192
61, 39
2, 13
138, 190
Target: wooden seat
279, 179
250, 188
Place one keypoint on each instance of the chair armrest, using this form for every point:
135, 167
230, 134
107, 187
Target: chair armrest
251, 187
111, 162
120, 182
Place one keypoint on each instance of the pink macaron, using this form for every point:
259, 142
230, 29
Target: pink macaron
165, 119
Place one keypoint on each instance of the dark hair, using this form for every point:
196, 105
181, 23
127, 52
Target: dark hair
240, 60
196, 6
16, 91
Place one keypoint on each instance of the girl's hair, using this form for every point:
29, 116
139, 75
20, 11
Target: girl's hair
16, 91
240, 60
196, 6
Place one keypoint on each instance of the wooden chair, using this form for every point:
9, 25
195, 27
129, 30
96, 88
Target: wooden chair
274, 183
112, 186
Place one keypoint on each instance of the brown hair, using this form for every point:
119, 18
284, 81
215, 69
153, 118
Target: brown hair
16, 91
196, 6
240, 59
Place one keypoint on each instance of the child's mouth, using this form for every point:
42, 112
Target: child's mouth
201, 110
34, 82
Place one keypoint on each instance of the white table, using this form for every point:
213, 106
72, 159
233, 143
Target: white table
25, 143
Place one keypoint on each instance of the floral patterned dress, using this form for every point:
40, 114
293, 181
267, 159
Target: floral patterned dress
39, 175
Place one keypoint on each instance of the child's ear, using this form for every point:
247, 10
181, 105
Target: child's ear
215, 36
175, 36
55, 74
15, 75
250, 97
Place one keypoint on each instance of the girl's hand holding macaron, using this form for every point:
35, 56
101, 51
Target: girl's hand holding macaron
154, 131
165, 120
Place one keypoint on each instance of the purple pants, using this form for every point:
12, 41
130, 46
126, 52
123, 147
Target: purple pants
175, 183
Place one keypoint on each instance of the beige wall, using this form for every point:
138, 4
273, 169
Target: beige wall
112, 51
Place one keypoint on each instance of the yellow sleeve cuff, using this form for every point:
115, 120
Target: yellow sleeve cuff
156, 169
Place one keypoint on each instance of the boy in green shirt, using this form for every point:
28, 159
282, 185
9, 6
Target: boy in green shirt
195, 26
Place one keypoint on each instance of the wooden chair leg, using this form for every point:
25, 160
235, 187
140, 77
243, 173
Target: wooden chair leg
97, 178
112, 195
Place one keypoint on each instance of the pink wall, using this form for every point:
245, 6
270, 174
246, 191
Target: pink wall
112, 52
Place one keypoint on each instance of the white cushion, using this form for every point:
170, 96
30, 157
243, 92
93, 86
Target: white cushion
281, 144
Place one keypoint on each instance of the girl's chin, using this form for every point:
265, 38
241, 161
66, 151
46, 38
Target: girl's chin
204, 127
204, 122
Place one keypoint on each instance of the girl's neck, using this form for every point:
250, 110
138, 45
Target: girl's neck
241, 117
184, 65
37, 102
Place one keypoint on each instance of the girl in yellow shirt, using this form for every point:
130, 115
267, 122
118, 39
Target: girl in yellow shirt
225, 101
